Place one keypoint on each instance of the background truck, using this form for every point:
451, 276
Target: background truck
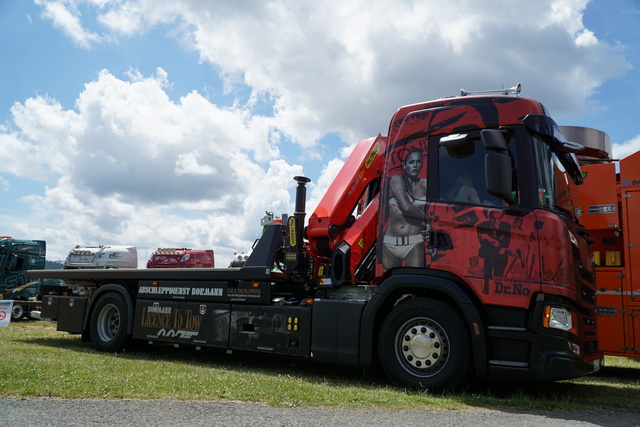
403, 265
610, 203
103, 256
181, 258
17, 256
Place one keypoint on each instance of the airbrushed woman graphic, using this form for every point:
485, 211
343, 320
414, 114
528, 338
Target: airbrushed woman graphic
404, 238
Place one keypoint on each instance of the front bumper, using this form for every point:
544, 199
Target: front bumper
541, 356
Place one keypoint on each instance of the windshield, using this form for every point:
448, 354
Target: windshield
31, 253
28, 249
544, 129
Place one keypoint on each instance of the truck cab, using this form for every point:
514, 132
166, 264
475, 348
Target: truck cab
17, 256
467, 207
102, 257
181, 258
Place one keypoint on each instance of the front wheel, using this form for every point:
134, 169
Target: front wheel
17, 311
109, 321
423, 344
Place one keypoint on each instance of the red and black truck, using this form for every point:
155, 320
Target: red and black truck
181, 258
442, 251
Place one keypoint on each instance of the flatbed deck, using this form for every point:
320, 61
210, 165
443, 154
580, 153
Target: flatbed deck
189, 274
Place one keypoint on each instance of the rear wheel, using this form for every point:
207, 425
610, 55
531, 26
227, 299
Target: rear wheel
423, 343
109, 321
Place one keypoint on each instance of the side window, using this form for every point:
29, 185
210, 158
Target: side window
367, 196
461, 170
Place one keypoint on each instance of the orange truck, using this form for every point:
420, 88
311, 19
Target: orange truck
610, 202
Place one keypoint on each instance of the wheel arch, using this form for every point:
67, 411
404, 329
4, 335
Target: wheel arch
391, 291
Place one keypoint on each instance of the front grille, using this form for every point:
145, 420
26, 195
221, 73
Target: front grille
586, 275
588, 294
576, 253
590, 347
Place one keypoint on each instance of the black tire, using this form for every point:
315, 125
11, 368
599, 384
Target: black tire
423, 344
109, 321
17, 311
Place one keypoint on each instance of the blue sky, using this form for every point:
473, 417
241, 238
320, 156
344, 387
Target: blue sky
618, 24
166, 123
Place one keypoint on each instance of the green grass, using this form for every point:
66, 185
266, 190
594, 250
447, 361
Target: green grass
37, 360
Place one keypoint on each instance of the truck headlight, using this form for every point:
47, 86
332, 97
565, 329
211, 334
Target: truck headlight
559, 318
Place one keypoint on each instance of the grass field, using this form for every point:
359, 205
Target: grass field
37, 360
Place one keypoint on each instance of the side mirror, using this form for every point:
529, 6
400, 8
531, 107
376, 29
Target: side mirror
497, 173
493, 139
497, 165
571, 147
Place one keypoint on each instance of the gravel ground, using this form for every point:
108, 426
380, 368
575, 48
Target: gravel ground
89, 412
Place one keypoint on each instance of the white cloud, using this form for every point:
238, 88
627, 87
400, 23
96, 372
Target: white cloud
15, 154
130, 165
133, 167
188, 163
624, 149
345, 66
66, 17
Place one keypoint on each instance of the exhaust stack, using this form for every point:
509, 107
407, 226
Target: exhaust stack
294, 237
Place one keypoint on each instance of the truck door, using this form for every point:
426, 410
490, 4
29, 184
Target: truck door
631, 206
471, 234
611, 318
